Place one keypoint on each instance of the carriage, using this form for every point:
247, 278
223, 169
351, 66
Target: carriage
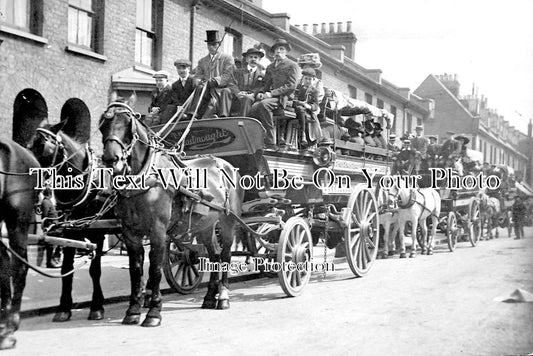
294, 198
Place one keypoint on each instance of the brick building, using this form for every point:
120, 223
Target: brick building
469, 115
59, 49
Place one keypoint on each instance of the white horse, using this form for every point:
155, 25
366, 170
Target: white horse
416, 205
388, 218
490, 209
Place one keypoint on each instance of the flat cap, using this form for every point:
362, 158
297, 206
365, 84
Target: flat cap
161, 74
182, 62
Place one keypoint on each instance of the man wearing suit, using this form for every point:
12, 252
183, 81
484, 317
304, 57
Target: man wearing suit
279, 84
216, 71
248, 80
184, 86
420, 145
161, 108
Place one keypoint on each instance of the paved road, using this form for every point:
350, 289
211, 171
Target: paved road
431, 305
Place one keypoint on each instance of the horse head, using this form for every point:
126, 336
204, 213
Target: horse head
405, 197
124, 137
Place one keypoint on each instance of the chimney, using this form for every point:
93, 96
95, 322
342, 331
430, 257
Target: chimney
343, 38
305, 27
315, 28
451, 83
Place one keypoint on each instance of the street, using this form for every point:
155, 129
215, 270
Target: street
431, 305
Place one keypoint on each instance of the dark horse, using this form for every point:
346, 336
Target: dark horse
17, 198
54, 148
158, 210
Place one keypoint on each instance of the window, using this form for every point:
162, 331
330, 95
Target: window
368, 98
81, 23
380, 104
25, 15
393, 111
144, 33
232, 43
353, 91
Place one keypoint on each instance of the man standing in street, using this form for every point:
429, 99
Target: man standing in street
216, 72
248, 81
420, 145
280, 82
184, 86
519, 217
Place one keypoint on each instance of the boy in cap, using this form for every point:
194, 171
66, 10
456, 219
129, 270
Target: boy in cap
216, 72
306, 106
184, 86
160, 108
248, 80
280, 82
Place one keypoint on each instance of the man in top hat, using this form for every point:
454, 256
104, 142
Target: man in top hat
216, 71
184, 86
248, 80
280, 82
306, 107
161, 108
420, 145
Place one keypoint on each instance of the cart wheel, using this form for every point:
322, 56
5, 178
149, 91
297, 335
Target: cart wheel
262, 251
509, 224
361, 236
475, 223
180, 266
452, 230
295, 246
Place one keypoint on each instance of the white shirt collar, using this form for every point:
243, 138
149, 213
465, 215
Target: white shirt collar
251, 69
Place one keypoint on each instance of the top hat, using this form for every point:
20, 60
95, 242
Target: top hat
161, 74
253, 51
212, 36
309, 72
280, 42
182, 62
312, 59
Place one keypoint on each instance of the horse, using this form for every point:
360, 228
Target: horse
54, 148
489, 208
17, 199
131, 151
388, 218
416, 205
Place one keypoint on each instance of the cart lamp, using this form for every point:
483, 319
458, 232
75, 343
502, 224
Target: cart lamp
454, 194
323, 156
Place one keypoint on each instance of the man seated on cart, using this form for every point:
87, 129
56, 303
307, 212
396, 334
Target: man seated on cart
279, 84
305, 105
248, 80
184, 86
161, 108
404, 161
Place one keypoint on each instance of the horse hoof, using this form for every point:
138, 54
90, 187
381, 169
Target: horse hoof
402, 255
96, 315
150, 322
132, 319
147, 299
430, 252
384, 256
7, 342
391, 253
412, 255
209, 304
223, 304
61, 317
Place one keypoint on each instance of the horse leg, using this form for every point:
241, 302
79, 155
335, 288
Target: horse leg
135, 255
63, 312
210, 301
401, 226
95, 271
7, 340
392, 238
431, 240
157, 250
227, 228
414, 227
424, 232
386, 229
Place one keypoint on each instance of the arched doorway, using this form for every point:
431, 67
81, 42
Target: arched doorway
76, 120
29, 110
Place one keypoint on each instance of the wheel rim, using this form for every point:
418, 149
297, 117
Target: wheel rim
181, 269
451, 231
475, 228
295, 246
362, 233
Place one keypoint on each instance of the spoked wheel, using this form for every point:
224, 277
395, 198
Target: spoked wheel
452, 230
180, 267
475, 223
273, 230
361, 236
509, 224
295, 247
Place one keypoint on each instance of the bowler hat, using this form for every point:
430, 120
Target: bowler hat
309, 72
311, 59
161, 74
212, 36
182, 62
280, 42
253, 51
462, 138
432, 137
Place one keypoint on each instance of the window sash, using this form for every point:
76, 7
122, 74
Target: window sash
144, 42
144, 19
16, 13
80, 27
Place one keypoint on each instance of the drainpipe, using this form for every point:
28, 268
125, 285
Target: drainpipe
191, 30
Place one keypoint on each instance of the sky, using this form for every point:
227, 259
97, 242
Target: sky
487, 43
